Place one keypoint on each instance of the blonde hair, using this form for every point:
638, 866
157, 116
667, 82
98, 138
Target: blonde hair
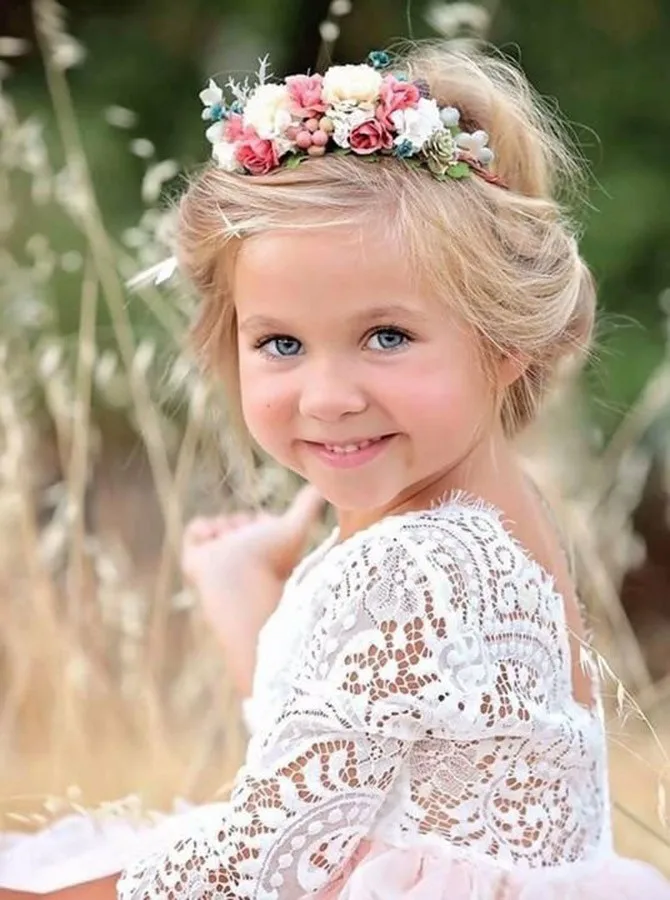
506, 259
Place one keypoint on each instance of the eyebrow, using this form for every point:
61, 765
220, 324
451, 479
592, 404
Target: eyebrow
377, 312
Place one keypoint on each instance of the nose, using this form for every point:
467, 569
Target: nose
330, 391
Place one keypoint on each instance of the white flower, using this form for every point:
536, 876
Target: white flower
417, 125
224, 154
214, 133
475, 144
267, 110
357, 84
211, 96
450, 116
345, 118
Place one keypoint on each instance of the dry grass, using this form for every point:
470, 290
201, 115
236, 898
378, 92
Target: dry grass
108, 680
635, 790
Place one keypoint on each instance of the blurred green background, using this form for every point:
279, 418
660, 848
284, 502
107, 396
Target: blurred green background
606, 62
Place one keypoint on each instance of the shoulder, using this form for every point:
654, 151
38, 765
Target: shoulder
444, 556
459, 529
463, 530
402, 627
458, 555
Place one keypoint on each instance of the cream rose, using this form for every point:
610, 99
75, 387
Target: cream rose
355, 84
267, 110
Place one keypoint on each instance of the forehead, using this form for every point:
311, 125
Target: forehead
334, 272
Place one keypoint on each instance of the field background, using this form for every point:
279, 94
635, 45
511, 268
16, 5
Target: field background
110, 686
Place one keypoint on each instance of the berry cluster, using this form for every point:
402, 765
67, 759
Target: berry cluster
312, 135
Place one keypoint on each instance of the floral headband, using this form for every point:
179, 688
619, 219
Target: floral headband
360, 109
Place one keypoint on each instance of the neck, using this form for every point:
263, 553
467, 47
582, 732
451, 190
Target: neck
489, 470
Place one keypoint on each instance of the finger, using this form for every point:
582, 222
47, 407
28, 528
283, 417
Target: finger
199, 529
304, 510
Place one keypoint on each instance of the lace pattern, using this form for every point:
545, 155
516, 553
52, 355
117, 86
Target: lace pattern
414, 680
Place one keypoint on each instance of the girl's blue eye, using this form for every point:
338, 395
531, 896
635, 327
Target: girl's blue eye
397, 338
285, 346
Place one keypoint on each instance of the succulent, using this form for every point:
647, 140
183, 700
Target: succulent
440, 152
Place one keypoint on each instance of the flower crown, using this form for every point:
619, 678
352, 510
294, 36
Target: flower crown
360, 109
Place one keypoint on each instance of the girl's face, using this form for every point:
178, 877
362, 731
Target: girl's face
338, 347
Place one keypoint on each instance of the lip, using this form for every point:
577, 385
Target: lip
356, 440
350, 460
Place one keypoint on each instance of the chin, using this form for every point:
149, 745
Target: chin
351, 497
356, 490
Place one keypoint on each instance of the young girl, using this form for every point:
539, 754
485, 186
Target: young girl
388, 283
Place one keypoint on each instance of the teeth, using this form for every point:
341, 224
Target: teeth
349, 448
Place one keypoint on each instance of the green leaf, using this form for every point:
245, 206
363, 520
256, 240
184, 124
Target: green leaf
458, 170
294, 161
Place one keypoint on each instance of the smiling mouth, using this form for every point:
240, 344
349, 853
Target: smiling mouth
352, 446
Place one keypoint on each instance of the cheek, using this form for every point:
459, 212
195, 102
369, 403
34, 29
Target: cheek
265, 404
443, 402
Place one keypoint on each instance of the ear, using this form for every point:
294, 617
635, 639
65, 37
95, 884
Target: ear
511, 367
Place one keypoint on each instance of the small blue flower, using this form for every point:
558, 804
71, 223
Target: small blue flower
237, 107
217, 112
379, 59
401, 76
404, 149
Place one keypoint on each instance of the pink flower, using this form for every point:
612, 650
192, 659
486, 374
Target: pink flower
305, 94
257, 155
370, 136
233, 129
394, 95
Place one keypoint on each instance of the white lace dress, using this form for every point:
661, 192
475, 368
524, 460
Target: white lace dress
413, 736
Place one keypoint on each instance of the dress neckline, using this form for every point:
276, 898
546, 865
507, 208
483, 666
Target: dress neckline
460, 499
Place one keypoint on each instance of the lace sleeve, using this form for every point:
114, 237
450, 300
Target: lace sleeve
317, 775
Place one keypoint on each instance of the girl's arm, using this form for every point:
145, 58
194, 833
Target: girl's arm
101, 889
327, 755
238, 565
238, 634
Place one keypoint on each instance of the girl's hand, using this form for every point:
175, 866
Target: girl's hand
238, 565
276, 543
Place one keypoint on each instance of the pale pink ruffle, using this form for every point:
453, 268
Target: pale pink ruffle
77, 849
379, 872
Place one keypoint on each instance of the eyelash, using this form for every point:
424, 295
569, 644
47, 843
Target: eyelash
263, 342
